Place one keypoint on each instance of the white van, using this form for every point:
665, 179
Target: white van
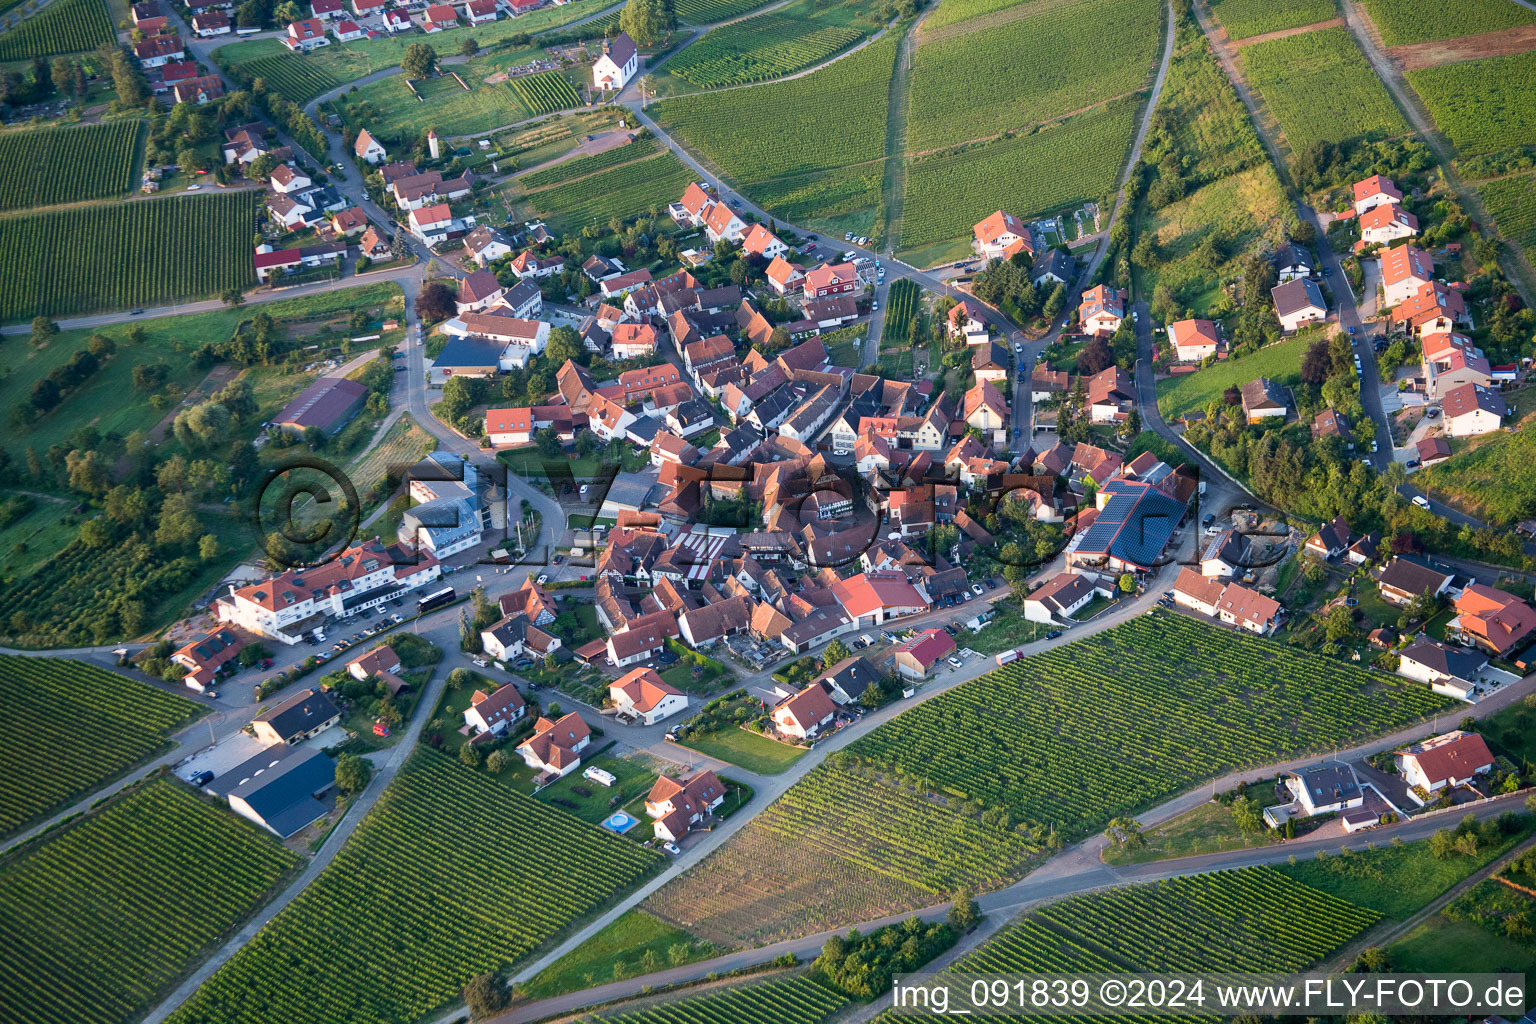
599, 776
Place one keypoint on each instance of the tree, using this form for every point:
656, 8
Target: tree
1125, 832
209, 548
498, 761
400, 245
485, 995
43, 331
1339, 624
232, 297
419, 60
1095, 356
63, 74
964, 912
469, 47
469, 755
127, 81
352, 773
87, 472
435, 301
835, 652
1127, 583
647, 21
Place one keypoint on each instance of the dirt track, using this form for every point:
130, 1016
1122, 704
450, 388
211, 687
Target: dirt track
1451, 51
1281, 33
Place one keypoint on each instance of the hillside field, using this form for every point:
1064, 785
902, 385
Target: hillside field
1419, 21
1483, 106
1493, 479
1280, 362
68, 165
1307, 79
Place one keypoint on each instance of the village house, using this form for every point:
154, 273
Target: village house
212, 23
966, 321
1472, 409
847, 681
1331, 540
1387, 223
1328, 787
208, 656
1403, 579
677, 807
1435, 308
1373, 192
1055, 601
369, 149
486, 244
831, 279
481, 12
1292, 261
1448, 360
494, 712
917, 658
1101, 310
1193, 340
1263, 399
1450, 671
1001, 235
1298, 302
805, 715
1494, 620
1111, 396
307, 713
1446, 761
156, 51
1248, 609
873, 597
642, 695
305, 35
759, 241
1404, 270
554, 749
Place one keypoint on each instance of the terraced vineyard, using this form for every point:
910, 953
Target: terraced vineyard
183, 874
1306, 79
1511, 202
299, 79
546, 92
708, 12
125, 254
794, 1000
620, 192
1079, 159
450, 875
64, 26
585, 165
900, 309
42, 699
1244, 18
1418, 21
768, 46
1483, 106
68, 165
1099, 49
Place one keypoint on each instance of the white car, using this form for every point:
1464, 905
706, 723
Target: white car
954, 661
671, 848
976, 589
1421, 501
543, 578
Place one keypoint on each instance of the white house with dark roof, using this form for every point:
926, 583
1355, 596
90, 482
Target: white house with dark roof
617, 65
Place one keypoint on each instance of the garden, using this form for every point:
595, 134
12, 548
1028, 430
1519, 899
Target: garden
1280, 362
1305, 78
69, 165
624, 948
184, 873
454, 874
723, 729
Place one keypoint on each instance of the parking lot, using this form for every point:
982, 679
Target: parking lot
221, 757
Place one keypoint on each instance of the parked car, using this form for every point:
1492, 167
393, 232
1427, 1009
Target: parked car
543, 578
671, 848
202, 779
1053, 634
976, 589
1421, 501
954, 661
1411, 463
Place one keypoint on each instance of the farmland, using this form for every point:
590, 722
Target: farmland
621, 191
1511, 202
583, 165
546, 92
299, 79
1100, 49
40, 168
183, 874
814, 197
901, 310
390, 108
708, 12
952, 12
1280, 362
1483, 106
773, 44
125, 254
792, 1000
1419, 21
1244, 18
1076, 160
1485, 479
42, 699
65, 26
1306, 78
454, 874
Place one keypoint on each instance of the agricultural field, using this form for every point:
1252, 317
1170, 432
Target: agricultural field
773, 44
835, 200
295, 78
621, 191
1280, 362
450, 875
44, 698
1244, 18
545, 92
901, 309
953, 12
791, 1000
125, 254
1307, 79
1511, 202
67, 165
184, 873
582, 166
1483, 106
773, 131
65, 26
390, 108
1420, 21
1060, 166
1100, 49
1485, 478
709, 12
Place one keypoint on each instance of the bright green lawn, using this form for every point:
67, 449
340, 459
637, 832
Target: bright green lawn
634, 779
446, 107
627, 940
1441, 946
1209, 828
1281, 362
1493, 479
754, 752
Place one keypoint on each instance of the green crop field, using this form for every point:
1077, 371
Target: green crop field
1244, 18
293, 77
952, 12
1511, 202
1199, 116
1418, 21
822, 194
981, 83
1281, 362
389, 107
1485, 479
42, 699
768, 46
900, 309
771, 131
120, 255
102, 919
1061, 166
622, 191
546, 92
64, 26
569, 170
793, 1000
1306, 79
1483, 106
67, 165
709, 12
450, 875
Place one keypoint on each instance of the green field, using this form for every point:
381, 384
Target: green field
708, 12
1483, 106
752, 751
901, 307
1244, 18
952, 12
451, 874
67, 165
115, 256
294, 77
1495, 479
1306, 79
1279, 362
451, 110
627, 940
1511, 202
103, 918
623, 191
774, 44
42, 699
1099, 49
1061, 166
64, 26
545, 92
793, 1000
1418, 21
812, 199
582, 166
